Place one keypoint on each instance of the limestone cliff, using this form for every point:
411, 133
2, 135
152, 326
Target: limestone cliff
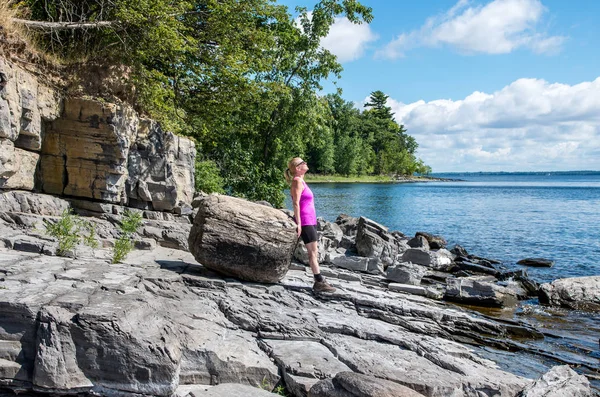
88, 148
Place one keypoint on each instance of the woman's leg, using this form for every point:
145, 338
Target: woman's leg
313, 260
313, 256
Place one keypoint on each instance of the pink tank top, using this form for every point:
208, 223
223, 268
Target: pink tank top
308, 215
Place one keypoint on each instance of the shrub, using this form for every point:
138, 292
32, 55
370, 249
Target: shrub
124, 244
70, 230
208, 177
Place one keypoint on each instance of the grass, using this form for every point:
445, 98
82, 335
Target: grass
7, 13
10, 31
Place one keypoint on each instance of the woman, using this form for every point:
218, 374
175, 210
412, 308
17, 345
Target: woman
306, 218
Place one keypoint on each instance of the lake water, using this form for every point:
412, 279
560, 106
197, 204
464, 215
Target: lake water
506, 217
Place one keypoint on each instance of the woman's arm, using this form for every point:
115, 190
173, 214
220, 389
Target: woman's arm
296, 191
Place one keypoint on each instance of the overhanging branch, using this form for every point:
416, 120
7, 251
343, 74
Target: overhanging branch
64, 25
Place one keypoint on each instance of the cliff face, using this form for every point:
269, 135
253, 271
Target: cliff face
88, 148
25, 105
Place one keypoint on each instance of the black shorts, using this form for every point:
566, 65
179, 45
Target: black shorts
309, 234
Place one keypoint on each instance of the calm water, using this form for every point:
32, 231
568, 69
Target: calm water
506, 217
503, 217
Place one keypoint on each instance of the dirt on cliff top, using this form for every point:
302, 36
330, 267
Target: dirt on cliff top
90, 78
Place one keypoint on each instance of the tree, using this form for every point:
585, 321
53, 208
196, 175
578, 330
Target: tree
377, 102
240, 77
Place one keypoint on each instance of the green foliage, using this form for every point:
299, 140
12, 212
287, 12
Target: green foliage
208, 177
124, 244
280, 391
131, 222
242, 78
70, 230
371, 142
377, 103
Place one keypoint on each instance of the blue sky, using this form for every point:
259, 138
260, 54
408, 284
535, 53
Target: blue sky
502, 85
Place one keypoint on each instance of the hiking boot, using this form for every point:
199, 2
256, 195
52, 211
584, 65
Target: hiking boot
323, 286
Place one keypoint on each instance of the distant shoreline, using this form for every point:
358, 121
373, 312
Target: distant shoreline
542, 173
376, 179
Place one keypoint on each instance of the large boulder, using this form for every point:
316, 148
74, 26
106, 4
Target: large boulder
582, 293
242, 239
479, 291
560, 381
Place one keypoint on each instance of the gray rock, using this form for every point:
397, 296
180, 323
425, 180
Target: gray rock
475, 268
56, 366
459, 251
418, 242
352, 384
582, 293
375, 241
479, 291
461, 378
24, 104
435, 242
231, 390
355, 263
348, 224
331, 231
305, 359
415, 290
559, 381
242, 239
28, 245
437, 260
145, 244
33, 203
161, 321
17, 166
536, 262
406, 273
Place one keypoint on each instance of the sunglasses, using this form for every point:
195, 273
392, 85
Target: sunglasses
300, 163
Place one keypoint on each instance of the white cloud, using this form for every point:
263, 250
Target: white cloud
348, 40
528, 125
499, 27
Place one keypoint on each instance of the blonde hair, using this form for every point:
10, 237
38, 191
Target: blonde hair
290, 172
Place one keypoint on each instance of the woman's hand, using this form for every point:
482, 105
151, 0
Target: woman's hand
299, 230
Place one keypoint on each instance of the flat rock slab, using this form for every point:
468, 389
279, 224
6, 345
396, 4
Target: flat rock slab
479, 291
536, 262
230, 390
351, 384
161, 321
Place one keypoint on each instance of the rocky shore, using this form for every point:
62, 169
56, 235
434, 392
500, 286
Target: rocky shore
211, 303
162, 324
